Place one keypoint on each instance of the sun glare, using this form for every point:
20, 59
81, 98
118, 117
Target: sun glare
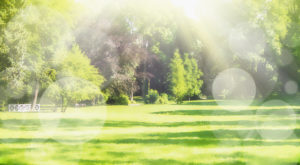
188, 6
200, 9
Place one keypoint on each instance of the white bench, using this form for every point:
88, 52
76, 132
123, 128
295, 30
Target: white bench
23, 108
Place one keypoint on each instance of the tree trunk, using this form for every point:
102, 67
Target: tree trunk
131, 92
62, 103
36, 93
144, 89
131, 95
149, 87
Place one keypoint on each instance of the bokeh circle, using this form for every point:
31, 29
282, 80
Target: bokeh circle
78, 124
276, 120
234, 89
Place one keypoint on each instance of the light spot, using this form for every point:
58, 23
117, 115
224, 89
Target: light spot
234, 89
291, 87
247, 41
65, 127
276, 120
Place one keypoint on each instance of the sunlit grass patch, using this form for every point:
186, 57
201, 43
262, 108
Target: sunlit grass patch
192, 133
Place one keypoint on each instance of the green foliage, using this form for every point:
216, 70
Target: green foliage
177, 78
74, 90
163, 99
77, 64
152, 97
264, 13
34, 38
85, 80
192, 76
135, 50
8, 9
185, 77
12, 50
118, 100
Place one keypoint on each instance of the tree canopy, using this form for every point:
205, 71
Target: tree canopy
129, 47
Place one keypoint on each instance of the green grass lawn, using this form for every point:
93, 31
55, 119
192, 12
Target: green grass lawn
192, 133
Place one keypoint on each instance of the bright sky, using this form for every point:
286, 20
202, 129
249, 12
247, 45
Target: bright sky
189, 7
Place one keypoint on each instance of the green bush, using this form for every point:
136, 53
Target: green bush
118, 100
163, 99
152, 97
133, 102
2, 106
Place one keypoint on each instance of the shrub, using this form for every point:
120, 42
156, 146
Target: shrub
163, 99
118, 100
101, 99
152, 97
133, 102
2, 106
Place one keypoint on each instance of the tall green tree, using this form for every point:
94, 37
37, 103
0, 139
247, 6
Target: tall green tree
177, 77
77, 64
31, 34
12, 49
14, 75
8, 9
192, 76
280, 21
77, 80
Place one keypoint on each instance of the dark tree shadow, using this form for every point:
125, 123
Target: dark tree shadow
208, 112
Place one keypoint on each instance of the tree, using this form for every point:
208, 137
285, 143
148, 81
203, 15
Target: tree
48, 33
32, 32
8, 9
192, 76
77, 80
115, 51
14, 75
77, 64
177, 77
282, 36
12, 50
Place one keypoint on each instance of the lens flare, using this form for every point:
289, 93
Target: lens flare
276, 120
65, 127
291, 87
234, 89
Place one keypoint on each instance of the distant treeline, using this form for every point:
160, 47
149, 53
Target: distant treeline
66, 52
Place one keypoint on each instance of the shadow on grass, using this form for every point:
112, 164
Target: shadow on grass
8, 156
214, 102
88, 162
216, 138
197, 138
201, 102
199, 142
246, 123
157, 162
35, 124
20, 124
205, 138
12, 162
293, 102
27, 140
221, 134
67, 124
207, 112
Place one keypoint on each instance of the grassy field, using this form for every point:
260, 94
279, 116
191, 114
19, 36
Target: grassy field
196, 132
